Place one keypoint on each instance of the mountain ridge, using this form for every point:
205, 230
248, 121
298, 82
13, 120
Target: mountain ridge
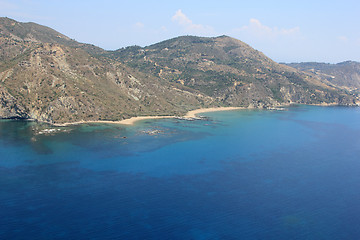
49, 77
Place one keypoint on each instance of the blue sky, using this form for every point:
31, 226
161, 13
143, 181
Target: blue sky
286, 31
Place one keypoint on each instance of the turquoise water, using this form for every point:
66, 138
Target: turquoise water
247, 174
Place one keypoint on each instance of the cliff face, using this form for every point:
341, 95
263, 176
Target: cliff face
46, 76
9, 107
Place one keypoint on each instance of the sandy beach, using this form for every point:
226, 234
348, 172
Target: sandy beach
193, 113
131, 121
190, 114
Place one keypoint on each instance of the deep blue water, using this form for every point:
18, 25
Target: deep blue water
291, 174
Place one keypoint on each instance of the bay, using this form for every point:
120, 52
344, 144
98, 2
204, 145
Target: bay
247, 174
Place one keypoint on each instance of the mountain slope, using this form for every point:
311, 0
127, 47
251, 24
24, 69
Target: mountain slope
49, 77
35, 33
344, 74
230, 71
59, 83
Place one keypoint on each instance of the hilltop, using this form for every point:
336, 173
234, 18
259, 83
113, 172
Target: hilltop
49, 77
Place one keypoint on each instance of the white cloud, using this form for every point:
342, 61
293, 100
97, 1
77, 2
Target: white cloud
348, 41
182, 19
279, 43
343, 39
139, 25
188, 26
256, 29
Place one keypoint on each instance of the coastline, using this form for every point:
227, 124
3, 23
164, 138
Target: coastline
189, 114
133, 120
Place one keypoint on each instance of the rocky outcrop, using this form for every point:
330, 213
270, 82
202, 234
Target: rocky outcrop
9, 107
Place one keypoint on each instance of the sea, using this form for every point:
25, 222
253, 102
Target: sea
291, 173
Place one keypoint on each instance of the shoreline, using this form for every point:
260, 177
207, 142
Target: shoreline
189, 115
133, 120
192, 113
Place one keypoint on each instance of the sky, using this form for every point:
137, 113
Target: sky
286, 31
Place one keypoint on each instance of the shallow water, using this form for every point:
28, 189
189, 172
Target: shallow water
245, 174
